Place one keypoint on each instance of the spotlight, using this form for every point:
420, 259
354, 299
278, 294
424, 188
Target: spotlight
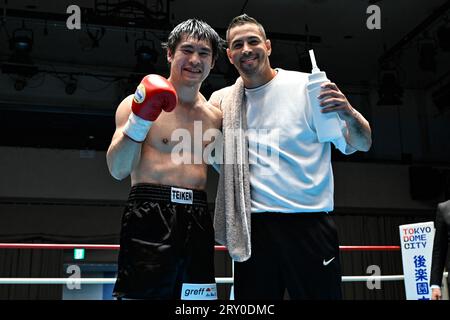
20, 62
21, 44
390, 92
146, 55
71, 86
21, 41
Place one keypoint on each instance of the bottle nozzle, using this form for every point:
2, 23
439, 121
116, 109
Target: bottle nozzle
313, 62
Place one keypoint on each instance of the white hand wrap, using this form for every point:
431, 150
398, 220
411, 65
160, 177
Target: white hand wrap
137, 128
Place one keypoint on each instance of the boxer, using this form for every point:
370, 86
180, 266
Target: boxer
167, 238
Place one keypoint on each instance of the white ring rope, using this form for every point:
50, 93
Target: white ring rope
76, 280
218, 280
222, 280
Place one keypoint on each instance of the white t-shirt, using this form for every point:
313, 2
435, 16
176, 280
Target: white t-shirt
290, 171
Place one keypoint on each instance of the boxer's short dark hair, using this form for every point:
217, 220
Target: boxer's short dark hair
196, 29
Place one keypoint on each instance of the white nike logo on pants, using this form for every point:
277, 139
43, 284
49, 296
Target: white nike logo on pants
325, 263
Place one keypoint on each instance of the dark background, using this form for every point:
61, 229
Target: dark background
59, 90
76, 78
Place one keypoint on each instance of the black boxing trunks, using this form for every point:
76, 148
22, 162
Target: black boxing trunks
166, 245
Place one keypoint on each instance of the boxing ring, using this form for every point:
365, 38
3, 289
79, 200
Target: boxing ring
219, 280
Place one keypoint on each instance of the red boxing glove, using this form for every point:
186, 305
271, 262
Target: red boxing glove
154, 94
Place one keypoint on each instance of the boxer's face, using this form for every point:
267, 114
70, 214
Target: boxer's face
248, 50
192, 60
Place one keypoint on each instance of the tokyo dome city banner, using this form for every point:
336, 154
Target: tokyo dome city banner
417, 246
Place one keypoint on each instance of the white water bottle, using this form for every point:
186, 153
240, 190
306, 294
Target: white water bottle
327, 124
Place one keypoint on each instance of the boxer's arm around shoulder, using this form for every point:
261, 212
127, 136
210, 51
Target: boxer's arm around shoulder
214, 103
217, 96
217, 114
123, 153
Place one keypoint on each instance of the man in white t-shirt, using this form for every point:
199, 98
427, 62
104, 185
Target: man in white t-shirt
294, 242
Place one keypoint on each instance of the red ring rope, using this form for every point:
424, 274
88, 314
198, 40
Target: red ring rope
116, 247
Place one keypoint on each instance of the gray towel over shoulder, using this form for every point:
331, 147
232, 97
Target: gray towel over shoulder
233, 206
